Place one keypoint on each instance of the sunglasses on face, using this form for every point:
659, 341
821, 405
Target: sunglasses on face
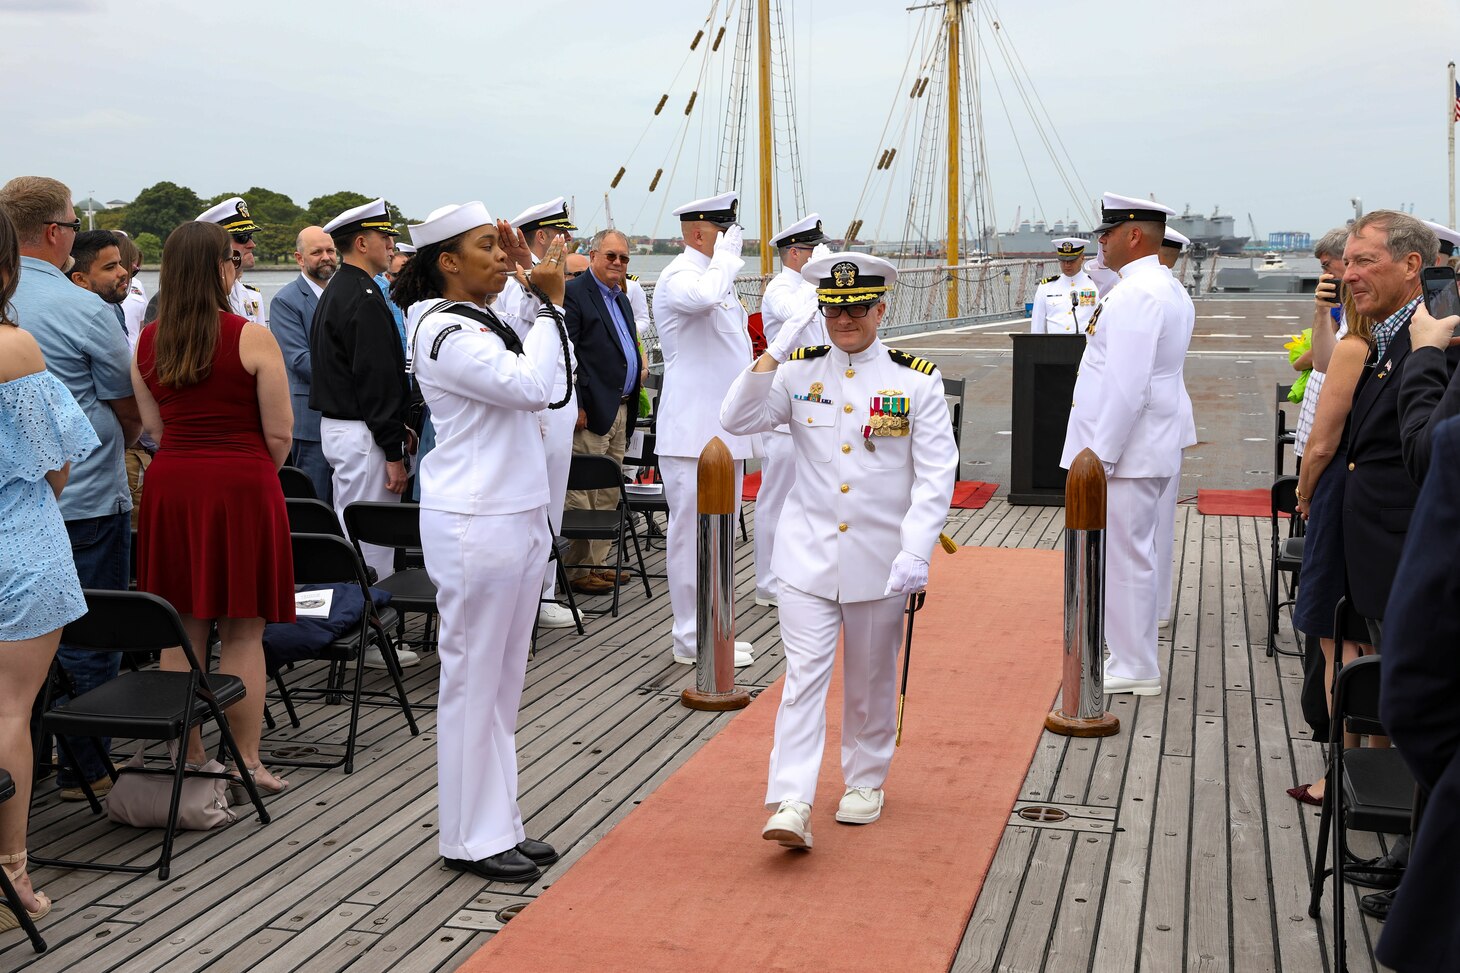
244, 237
855, 311
615, 258
572, 273
234, 258
74, 226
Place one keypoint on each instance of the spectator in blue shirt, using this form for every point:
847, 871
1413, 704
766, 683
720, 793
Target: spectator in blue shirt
86, 349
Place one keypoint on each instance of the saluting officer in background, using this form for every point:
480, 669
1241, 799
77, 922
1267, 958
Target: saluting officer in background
232, 214
875, 465
788, 295
1064, 303
704, 337
1131, 409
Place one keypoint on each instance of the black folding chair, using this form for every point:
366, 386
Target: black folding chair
296, 484
587, 472
12, 900
1282, 436
150, 705
396, 525
329, 559
648, 504
953, 389
1286, 557
310, 516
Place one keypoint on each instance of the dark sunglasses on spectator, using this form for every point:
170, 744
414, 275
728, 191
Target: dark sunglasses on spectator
616, 258
242, 237
570, 275
74, 225
235, 258
854, 311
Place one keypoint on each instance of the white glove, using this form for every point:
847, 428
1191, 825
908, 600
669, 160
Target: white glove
819, 251
731, 241
788, 339
909, 574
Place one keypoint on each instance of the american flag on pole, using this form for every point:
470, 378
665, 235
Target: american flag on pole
1457, 101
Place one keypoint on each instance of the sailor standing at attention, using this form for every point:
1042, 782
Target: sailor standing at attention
360, 387
1132, 411
704, 337
1064, 303
787, 296
1173, 245
484, 519
875, 465
232, 214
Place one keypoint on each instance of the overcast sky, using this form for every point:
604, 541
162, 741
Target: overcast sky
1284, 109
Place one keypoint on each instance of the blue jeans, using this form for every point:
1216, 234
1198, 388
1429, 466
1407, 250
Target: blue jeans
102, 547
308, 456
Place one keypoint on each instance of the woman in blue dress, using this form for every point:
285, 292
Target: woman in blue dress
42, 431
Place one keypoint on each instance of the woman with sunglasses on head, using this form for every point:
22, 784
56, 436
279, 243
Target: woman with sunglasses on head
484, 519
213, 536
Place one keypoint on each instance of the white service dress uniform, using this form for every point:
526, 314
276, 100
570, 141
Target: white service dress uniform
247, 302
787, 296
850, 512
484, 533
1063, 305
705, 343
1132, 410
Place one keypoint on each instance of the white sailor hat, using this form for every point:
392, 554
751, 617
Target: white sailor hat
1449, 239
1175, 239
370, 216
1069, 247
405, 248
804, 232
449, 221
231, 214
850, 278
1116, 209
719, 210
550, 215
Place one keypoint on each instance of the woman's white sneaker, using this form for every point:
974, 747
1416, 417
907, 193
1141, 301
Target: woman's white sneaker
860, 805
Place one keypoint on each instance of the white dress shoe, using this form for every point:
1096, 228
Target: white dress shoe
790, 825
553, 615
1164, 624
742, 659
766, 601
375, 660
1137, 687
860, 805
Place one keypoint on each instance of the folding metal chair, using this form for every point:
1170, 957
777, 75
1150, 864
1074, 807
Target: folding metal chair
296, 484
587, 472
1286, 557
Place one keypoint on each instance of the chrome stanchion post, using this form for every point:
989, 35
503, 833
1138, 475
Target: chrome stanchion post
1082, 699
715, 585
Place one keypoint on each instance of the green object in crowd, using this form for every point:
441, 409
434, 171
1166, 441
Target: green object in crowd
1297, 348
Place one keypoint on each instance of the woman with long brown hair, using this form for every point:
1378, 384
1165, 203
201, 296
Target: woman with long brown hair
42, 430
213, 536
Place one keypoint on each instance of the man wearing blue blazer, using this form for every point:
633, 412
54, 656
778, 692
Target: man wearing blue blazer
291, 318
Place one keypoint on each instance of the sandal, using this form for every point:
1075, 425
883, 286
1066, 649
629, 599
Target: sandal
7, 916
238, 794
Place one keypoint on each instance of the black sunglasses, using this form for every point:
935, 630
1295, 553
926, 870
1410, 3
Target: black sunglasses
74, 225
242, 237
235, 258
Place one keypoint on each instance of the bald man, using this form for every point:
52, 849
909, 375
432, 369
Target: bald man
291, 317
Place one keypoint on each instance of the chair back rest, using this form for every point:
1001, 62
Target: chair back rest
1356, 693
1284, 497
296, 483
646, 455
312, 517
586, 472
127, 621
385, 523
326, 559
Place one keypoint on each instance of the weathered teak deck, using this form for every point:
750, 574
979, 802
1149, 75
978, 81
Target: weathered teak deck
1183, 852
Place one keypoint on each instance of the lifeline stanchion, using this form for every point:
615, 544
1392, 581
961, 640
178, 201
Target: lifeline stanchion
715, 585
1082, 700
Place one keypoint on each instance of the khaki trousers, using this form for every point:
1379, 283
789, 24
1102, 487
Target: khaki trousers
138, 459
611, 445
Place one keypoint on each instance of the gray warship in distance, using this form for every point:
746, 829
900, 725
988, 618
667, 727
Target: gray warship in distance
1217, 232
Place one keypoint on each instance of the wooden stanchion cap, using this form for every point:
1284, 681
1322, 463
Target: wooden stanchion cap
1085, 493
717, 479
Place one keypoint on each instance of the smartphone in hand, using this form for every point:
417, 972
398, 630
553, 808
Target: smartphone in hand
1440, 294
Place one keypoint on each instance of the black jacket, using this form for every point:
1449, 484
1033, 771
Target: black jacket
1425, 401
358, 363
601, 364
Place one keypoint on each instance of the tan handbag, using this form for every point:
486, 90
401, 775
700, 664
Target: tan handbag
141, 797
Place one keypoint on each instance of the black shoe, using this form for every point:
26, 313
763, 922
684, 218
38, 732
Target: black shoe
507, 866
1361, 873
1377, 905
541, 853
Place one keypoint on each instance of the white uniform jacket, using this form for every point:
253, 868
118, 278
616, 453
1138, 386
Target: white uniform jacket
1131, 405
1063, 305
247, 302
518, 307
638, 303
852, 509
489, 456
787, 296
704, 337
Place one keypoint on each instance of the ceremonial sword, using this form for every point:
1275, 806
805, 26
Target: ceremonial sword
914, 602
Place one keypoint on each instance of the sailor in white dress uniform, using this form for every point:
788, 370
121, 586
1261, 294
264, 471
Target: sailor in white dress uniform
245, 300
704, 337
788, 295
1064, 303
1131, 409
875, 466
484, 521
1173, 245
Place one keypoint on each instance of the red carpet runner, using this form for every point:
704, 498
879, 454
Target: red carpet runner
686, 882
1235, 503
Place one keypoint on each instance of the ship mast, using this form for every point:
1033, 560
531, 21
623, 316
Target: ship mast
953, 19
767, 135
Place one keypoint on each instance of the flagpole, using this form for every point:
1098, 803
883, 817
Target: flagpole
1454, 106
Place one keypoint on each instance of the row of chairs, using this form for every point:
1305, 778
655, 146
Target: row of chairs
1286, 552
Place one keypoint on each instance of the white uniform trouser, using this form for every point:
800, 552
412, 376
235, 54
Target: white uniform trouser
488, 602
358, 473
872, 633
681, 492
1130, 575
557, 442
777, 476
1165, 544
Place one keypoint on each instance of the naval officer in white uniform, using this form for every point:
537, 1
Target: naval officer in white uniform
1132, 411
1173, 245
484, 519
875, 465
787, 296
232, 214
705, 340
1064, 303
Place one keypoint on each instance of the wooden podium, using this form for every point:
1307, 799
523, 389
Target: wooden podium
1044, 387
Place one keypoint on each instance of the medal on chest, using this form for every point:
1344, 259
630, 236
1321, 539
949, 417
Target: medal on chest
813, 394
888, 414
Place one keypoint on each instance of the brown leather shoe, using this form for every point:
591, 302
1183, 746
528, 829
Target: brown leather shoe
592, 584
623, 576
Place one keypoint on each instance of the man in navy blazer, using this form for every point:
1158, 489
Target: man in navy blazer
610, 372
291, 319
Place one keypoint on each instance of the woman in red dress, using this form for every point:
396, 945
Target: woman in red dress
213, 535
